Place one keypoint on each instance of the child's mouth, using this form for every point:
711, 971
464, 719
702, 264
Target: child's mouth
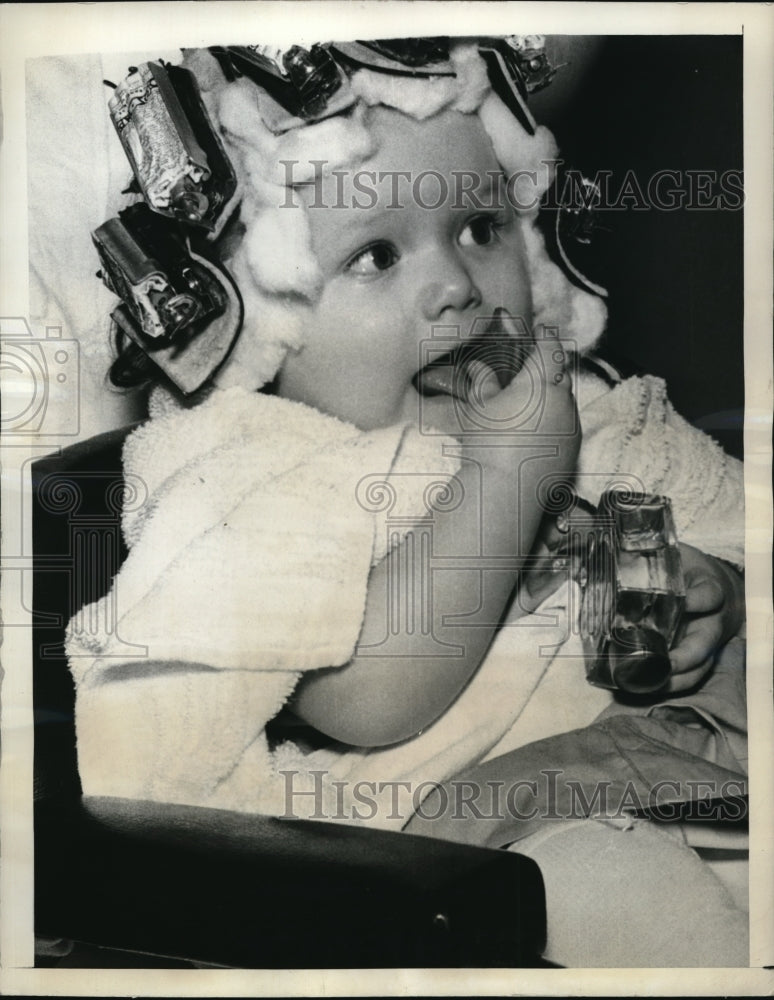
476, 370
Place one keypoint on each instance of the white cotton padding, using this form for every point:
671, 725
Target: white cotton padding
278, 248
516, 150
339, 142
418, 98
262, 192
472, 78
205, 67
545, 155
579, 316
255, 361
273, 324
239, 114
550, 291
210, 100
587, 320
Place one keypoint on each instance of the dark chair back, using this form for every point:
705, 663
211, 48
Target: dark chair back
78, 547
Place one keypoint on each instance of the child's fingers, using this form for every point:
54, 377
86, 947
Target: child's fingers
483, 382
703, 594
553, 357
510, 326
699, 643
544, 355
541, 581
537, 399
686, 679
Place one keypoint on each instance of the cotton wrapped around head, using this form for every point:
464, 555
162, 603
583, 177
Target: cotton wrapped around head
275, 266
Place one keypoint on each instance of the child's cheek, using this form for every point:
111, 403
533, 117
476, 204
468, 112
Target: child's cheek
506, 279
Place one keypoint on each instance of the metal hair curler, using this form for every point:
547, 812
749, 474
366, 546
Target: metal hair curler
177, 157
183, 311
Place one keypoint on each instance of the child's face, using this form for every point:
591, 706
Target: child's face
393, 273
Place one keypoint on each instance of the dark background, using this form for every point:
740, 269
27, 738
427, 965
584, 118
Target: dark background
675, 278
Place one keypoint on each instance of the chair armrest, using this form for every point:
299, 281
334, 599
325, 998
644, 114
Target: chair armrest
260, 892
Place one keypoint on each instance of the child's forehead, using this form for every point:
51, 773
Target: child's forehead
447, 139
448, 150
442, 163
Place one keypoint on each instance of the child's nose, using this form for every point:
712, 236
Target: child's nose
448, 287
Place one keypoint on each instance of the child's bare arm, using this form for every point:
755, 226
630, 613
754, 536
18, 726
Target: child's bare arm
384, 698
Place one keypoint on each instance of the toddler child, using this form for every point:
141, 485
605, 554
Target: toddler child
338, 518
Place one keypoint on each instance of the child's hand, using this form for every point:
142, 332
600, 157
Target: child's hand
552, 560
714, 613
536, 402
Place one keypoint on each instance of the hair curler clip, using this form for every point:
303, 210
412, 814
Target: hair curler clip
307, 84
180, 309
536, 71
178, 160
517, 66
570, 222
503, 64
422, 57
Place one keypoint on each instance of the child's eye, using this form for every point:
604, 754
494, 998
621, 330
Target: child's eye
378, 257
480, 231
